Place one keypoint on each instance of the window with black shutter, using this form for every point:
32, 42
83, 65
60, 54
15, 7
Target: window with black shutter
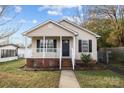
90, 45
85, 45
50, 45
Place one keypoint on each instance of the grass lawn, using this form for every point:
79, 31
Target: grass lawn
99, 79
12, 76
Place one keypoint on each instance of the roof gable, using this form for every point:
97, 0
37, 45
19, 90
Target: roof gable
50, 21
79, 27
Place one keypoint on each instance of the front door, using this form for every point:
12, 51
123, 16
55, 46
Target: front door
65, 48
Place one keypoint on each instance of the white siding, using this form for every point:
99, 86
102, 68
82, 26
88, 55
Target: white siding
84, 36
50, 29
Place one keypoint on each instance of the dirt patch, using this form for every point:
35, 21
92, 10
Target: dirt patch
82, 66
25, 68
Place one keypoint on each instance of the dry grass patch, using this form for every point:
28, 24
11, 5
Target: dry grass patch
99, 79
12, 76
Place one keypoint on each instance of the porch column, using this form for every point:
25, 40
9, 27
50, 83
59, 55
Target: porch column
26, 47
43, 46
74, 52
60, 57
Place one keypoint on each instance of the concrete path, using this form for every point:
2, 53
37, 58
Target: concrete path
68, 80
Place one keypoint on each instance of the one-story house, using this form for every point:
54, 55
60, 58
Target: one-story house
8, 52
59, 44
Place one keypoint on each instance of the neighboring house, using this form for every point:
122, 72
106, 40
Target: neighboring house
8, 52
59, 44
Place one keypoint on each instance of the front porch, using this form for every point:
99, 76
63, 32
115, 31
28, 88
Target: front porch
51, 52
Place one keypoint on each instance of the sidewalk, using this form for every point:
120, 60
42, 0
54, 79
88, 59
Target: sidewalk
68, 80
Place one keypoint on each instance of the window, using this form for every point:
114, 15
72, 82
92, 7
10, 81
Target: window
85, 45
8, 53
41, 46
41, 43
50, 45
15, 53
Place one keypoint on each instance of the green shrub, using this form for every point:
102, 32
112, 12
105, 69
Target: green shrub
86, 58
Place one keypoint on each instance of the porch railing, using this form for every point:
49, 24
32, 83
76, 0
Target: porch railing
42, 53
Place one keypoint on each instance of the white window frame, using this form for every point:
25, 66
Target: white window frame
47, 45
87, 45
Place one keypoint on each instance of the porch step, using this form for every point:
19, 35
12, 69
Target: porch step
66, 68
66, 63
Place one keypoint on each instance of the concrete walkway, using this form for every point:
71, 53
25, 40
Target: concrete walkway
68, 80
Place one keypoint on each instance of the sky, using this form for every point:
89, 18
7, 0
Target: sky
31, 15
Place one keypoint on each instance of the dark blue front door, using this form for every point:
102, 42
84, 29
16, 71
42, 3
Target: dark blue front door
65, 47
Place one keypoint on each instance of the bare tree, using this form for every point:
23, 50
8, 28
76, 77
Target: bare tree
114, 13
81, 14
7, 14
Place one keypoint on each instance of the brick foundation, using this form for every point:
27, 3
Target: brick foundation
42, 63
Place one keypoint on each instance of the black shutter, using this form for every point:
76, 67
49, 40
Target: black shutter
80, 45
90, 45
38, 43
54, 42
